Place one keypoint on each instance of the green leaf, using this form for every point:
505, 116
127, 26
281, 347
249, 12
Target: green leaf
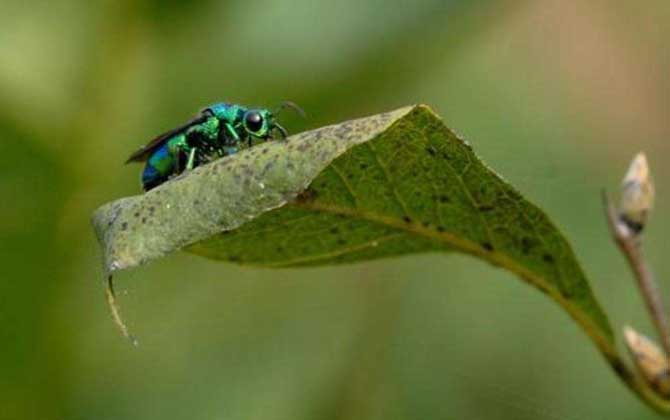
387, 185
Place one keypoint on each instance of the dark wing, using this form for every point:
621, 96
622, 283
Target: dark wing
143, 153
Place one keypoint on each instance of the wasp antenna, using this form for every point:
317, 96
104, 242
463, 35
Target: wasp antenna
282, 130
293, 106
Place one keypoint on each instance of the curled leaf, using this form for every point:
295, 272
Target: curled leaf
225, 194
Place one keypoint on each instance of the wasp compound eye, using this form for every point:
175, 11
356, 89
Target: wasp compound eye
253, 121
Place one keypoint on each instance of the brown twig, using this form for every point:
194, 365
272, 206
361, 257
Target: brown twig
628, 241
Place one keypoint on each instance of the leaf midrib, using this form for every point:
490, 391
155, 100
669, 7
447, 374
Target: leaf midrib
464, 245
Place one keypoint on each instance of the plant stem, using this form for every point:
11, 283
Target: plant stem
629, 244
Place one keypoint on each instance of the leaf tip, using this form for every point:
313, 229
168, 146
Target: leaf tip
116, 313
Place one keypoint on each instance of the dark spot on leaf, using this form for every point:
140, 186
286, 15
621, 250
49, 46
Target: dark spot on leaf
334, 230
487, 246
548, 258
306, 196
441, 229
526, 245
407, 219
341, 241
444, 199
425, 223
137, 214
485, 207
235, 258
152, 209
431, 150
124, 226
144, 220
364, 166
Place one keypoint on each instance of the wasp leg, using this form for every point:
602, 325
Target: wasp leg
232, 132
191, 159
179, 150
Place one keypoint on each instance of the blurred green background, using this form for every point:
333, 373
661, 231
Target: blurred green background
556, 95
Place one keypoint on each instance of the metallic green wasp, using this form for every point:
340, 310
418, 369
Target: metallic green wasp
218, 130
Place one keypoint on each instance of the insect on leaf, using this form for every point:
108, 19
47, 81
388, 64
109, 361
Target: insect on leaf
388, 185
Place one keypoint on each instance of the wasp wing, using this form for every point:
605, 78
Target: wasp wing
144, 152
